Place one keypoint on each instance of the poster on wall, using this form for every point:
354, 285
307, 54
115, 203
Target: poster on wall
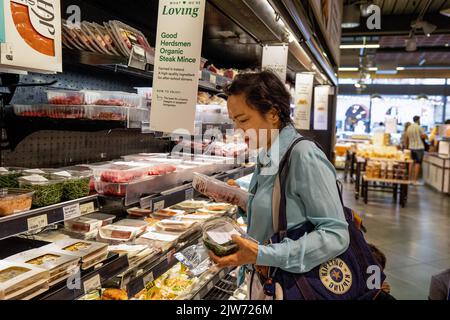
275, 58
321, 107
303, 96
177, 60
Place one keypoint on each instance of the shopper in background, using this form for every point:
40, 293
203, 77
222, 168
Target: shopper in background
404, 139
440, 286
415, 136
259, 101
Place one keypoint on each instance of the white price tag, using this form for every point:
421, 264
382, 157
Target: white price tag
37, 222
189, 194
86, 208
158, 205
148, 278
213, 79
72, 211
200, 74
92, 284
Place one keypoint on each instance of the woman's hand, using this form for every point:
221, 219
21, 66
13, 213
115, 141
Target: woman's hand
246, 254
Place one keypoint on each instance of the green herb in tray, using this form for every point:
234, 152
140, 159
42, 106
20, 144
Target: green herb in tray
9, 179
76, 188
47, 192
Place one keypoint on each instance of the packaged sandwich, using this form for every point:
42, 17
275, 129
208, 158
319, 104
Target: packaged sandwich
60, 266
21, 281
91, 253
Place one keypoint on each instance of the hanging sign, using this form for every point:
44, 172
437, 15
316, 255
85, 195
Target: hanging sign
275, 58
303, 96
177, 60
321, 107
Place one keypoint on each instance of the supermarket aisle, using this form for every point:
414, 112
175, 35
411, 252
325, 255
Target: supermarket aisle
415, 239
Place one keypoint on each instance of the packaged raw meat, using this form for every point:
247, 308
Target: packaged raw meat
116, 39
82, 224
90, 39
129, 37
123, 231
219, 190
112, 98
167, 213
168, 225
119, 173
110, 44
65, 97
161, 169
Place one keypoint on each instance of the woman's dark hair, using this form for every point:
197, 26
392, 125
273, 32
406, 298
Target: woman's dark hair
263, 91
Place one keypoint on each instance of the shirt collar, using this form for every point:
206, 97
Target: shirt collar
279, 147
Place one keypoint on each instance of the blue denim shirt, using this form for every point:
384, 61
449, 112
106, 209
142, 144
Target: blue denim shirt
311, 194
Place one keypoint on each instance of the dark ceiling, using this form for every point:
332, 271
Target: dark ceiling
432, 52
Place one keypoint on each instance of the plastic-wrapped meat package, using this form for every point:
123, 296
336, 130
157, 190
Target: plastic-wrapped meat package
161, 169
203, 98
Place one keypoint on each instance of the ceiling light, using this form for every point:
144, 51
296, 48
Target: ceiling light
400, 68
354, 69
366, 10
428, 28
357, 85
376, 97
373, 69
360, 46
411, 44
351, 16
447, 44
446, 12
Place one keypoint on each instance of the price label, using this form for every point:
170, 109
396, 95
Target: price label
86, 208
213, 79
158, 205
37, 222
72, 211
146, 203
200, 74
148, 279
189, 194
209, 286
92, 284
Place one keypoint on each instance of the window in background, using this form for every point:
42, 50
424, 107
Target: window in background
447, 109
410, 81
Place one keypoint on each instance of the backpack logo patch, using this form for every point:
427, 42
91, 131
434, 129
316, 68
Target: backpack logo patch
336, 276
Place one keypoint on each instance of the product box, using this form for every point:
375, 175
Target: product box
30, 35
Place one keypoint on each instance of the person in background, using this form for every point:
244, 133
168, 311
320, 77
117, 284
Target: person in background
404, 141
440, 286
414, 139
379, 128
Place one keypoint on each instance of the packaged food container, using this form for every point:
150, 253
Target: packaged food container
15, 201
110, 44
82, 224
217, 236
119, 173
103, 217
137, 254
65, 112
138, 212
219, 190
91, 253
145, 92
175, 225
76, 184
59, 266
111, 189
46, 192
158, 239
217, 208
195, 258
106, 113
112, 98
190, 205
30, 111
88, 236
9, 177
167, 213
65, 97
21, 281
122, 231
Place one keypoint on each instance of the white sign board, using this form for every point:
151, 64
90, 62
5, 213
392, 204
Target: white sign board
390, 125
177, 60
275, 58
321, 107
303, 96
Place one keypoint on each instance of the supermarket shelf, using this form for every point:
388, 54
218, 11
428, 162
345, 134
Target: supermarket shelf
223, 289
25, 221
393, 181
210, 284
106, 270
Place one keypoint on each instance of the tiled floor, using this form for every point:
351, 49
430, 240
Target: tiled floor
415, 239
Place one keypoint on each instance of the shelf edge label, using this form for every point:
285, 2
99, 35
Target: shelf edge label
72, 211
37, 222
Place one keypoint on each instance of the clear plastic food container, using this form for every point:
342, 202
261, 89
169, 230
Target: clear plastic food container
82, 224
30, 111
113, 98
9, 177
46, 192
15, 201
111, 189
217, 236
103, 217
76, 184
65, 112
65, 97
117, 233
106, 113
174, 225
119, 173
167, 213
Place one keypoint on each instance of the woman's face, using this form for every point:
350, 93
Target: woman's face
252, 122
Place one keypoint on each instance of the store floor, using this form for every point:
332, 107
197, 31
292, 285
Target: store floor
415, 239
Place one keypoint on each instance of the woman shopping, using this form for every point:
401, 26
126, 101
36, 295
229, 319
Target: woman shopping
310, 199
